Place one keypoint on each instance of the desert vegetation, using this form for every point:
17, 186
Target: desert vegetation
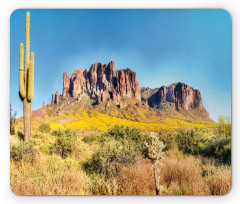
121, 161
107, 136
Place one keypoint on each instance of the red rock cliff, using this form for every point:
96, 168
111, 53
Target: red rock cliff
102, 82
180, 94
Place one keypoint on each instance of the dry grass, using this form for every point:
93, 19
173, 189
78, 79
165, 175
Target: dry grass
183, 175
131, 180
220, 182
180, 175
47, 177
138, 179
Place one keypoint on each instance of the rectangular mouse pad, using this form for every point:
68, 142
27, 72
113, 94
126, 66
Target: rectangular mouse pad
120, 102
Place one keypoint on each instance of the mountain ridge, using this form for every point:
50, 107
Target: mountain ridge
103, 85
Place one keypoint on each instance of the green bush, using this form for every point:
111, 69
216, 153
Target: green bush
224, 126
111, 155
187, 141
44, 128
65, 142
90, 139
20, 135
46, 149
24, 151
67, 133
218, 147
122, 132
69, 163
58, 133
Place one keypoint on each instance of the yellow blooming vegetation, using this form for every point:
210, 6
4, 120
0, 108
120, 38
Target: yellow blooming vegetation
99, 118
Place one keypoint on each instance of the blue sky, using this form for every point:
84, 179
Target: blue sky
161, 46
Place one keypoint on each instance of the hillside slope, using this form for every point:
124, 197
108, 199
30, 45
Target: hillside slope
87, 116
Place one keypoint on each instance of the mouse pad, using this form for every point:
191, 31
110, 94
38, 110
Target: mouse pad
120, 102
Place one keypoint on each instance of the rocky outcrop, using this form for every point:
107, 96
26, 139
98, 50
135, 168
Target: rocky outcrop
66, 84
57, 97
40, 113
52, 102
122, 105
180, 95
146, 92
102, 82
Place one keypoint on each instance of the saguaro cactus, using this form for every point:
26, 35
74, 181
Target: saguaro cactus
26, 80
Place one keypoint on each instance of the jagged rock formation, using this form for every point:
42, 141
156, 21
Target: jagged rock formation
57, 97
66, 84
52, 102
43, 104
179, 95
101, 82
105, 84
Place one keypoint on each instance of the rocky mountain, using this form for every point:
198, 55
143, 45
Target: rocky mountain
102, 82
180, 96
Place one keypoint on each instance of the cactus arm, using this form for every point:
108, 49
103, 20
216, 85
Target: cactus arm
30, 78
22, 91
27, 47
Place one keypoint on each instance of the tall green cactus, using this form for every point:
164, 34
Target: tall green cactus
26, 80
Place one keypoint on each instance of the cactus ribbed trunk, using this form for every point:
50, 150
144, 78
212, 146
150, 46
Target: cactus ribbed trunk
27, 120
26, 80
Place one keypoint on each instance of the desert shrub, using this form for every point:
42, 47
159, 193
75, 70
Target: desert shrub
67, 133
186, 141
46, 149
224, 151
25, 151
218, 147
91, 139
58, 133
132, 180
168, 140
48, 178
137, 179
71, 133
224, 126
110, 156
65, 142
122, 132
64, 146
182, 177
45, 128
69, 163
12, 126
133, 135
12, 121
20, 135
220, 182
